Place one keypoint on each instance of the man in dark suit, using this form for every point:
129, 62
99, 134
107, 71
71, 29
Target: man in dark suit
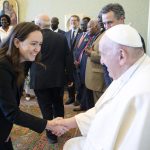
80, 62
110, 15
71, 36
54, 28
54, 25
47, 78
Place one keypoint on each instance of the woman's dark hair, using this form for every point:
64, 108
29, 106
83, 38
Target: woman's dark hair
10, 51
7, 17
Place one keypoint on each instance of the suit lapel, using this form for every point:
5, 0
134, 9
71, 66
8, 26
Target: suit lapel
68, 36
73, 42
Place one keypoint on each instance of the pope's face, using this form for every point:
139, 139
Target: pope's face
30, 47
109, 57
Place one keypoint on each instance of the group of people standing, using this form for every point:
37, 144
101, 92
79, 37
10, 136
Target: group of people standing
85, 60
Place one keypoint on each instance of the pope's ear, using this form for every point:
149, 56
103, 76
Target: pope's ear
16, 42
123, 56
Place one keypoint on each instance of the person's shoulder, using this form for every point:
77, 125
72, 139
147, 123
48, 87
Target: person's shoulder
5, 63
7, 74
5, 66
62, 37
100, 35
55, 35
61, 31
79, 30
10, 28
68, 32
1, 30
46, 30
80, 34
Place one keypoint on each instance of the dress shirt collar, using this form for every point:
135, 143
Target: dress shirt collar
54, 30
76, 31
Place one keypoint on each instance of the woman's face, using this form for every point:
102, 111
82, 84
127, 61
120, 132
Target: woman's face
30, 47
4, 22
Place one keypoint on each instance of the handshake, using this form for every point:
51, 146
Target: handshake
59, 126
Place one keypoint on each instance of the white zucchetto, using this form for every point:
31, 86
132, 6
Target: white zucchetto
124, 35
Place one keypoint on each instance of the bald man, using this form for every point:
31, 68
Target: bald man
47, 79
94, 77
120, 118
92, 71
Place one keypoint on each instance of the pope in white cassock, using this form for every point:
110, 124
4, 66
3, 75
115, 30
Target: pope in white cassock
120, 119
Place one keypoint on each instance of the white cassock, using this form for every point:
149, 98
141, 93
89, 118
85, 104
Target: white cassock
120, 119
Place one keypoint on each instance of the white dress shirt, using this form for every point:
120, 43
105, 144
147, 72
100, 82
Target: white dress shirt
4, 34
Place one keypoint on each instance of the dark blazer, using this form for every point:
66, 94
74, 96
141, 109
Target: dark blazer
68, 36
54, 53
9, 104
78, 51
71, 47
61, 31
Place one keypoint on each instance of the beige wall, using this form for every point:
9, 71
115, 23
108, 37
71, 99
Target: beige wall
136, 10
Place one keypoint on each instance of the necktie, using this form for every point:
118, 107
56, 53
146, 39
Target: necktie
81, 39
89, 42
